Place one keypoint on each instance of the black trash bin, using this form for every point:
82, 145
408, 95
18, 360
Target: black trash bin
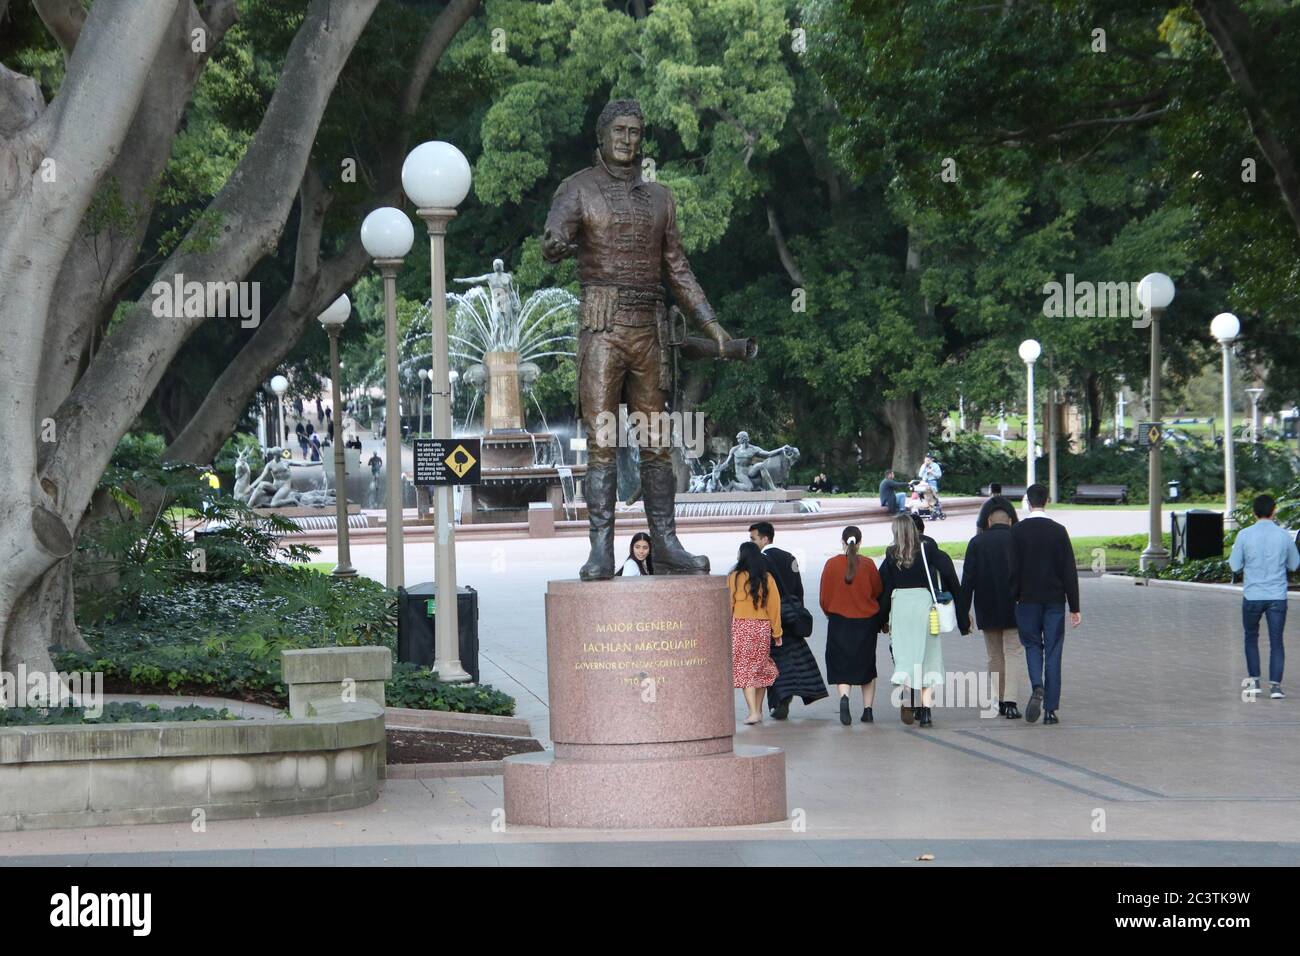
1196, 534
415, 626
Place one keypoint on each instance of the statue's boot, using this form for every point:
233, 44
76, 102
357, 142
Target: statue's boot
601, 489
659, 488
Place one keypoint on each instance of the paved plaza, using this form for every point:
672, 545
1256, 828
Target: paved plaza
1157, 760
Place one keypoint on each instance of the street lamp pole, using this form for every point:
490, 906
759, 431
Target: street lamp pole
1255, 395
1155, 292
1225, 326
280, 385
1029, 352
1051, 431
387, 235
424, 374
436, 177
333, 319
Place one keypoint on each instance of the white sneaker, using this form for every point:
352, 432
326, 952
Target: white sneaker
1276, 692
1250, 686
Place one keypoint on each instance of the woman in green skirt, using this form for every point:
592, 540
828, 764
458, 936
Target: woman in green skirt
905, 603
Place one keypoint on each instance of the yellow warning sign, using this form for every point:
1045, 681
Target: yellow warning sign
460, 461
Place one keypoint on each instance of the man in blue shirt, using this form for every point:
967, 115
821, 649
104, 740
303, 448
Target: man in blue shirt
1266, 553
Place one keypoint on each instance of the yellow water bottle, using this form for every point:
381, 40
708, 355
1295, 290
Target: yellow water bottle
934, 621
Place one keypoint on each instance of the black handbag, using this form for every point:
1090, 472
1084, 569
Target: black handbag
796, 620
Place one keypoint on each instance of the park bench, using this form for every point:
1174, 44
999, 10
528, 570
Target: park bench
1100, 494
1012, 492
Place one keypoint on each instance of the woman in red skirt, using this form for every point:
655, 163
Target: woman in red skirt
755, 624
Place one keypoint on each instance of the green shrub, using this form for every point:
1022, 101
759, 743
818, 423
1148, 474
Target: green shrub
970, 462
131, 549
118, 712
419, 687
225, 637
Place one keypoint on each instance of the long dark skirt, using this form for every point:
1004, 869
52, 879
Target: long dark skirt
799, 674
850, 649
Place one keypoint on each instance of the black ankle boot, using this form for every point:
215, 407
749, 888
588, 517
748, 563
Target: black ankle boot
601, 490
924, 720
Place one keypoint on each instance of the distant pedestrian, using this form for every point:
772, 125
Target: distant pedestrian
315, 448
320, 411
893, 493
850, 592
930, 473
639, 560
986, 580
376, 463
331, 430
1044, 580
912, 574
755, 624
1265, 552
797, 672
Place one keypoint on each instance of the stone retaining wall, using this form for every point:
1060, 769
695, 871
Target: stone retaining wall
330, 757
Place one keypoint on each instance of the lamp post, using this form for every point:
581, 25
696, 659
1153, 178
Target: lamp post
436, 177
424, 375
1155, 292
452, 378
280, 385
332, 319
387, 235
1255, 395
1029, 352
1225, 327
1119, 414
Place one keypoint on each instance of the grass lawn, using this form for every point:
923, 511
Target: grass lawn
1120, 553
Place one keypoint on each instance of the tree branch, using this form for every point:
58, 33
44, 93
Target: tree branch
782, 250
1232, 34
315, 284
100, 263
249, 214
64, 20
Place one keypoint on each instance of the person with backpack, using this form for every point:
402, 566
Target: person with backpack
797, 672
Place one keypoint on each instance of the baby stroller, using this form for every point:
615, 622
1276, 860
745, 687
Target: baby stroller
923, 501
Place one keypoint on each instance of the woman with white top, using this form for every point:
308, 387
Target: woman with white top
638, 559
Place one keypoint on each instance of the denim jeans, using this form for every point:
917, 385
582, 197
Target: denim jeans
901, 498
1275, 612
1042, 631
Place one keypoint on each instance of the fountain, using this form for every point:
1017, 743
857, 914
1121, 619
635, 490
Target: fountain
500, 338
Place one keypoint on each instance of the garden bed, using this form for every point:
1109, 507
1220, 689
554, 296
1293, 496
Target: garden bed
438, 746
224, 638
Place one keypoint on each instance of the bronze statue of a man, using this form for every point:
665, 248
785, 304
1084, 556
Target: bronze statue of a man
623, 231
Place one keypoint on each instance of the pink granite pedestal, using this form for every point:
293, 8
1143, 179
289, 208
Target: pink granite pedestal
642, 714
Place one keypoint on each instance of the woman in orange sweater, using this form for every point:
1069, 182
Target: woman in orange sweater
850, 595
755, 624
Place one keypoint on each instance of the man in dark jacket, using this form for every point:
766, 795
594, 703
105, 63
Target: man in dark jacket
797, 672
986, 577
892, 493
1043, 581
